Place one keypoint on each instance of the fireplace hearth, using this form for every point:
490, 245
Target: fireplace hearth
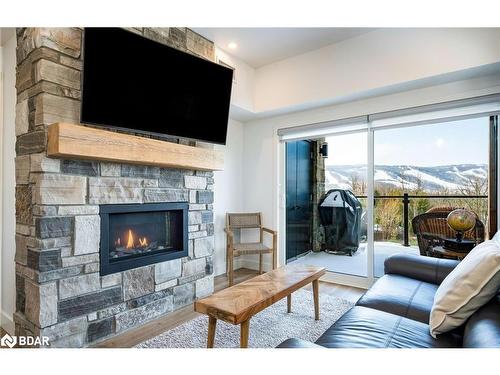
136, 235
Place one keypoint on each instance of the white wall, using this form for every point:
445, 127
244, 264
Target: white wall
373, 60
243, 88
231, 196
260, 160
228, 195
8, 183
375, 63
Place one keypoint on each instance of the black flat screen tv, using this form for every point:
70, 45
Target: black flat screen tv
134, 83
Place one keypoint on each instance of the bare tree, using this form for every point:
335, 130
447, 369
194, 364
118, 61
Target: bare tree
474, 186
402, 178
358, 184
419, 183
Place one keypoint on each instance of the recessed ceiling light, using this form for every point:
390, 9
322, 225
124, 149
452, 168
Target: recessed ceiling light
232, 45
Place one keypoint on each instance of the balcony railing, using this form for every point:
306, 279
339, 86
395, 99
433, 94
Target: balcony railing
406, 200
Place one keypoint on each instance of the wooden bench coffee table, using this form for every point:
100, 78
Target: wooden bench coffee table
237, 304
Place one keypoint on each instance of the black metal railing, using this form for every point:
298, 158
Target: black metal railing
406, 202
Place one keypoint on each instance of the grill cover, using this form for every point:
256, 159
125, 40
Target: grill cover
340, 215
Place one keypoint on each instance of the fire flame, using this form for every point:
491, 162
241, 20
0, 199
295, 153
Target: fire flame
130, 240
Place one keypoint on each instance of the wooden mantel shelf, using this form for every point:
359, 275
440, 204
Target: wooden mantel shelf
81, 142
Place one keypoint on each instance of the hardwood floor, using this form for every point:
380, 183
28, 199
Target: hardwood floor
348, 293
158, 326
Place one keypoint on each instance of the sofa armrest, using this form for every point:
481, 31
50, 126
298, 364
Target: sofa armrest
431, 270
298, 344
482, 330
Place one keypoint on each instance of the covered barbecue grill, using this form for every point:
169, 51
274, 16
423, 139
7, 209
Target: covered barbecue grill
340, 215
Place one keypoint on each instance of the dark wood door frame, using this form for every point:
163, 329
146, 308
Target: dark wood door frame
493, 177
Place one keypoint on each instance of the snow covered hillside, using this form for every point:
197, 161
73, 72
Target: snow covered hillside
445, 177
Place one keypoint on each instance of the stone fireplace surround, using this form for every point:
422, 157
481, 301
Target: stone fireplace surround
59, 290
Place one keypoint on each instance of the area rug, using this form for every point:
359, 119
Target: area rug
268, 328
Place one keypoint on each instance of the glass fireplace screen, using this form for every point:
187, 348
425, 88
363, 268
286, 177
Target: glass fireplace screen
135, 235
138, 233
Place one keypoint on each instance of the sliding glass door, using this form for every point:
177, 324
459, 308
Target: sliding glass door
426, 168
362, 184
334, 236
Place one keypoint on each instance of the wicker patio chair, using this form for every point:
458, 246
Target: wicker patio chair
431, 229
238, 221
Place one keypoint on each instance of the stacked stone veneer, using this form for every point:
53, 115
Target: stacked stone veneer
318, 235
60, 293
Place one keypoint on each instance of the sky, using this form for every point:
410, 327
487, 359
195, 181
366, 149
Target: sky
457, 142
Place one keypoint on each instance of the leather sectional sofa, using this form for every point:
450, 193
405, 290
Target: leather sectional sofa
394, 312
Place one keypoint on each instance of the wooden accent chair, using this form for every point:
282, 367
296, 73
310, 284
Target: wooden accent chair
431, 229
238, 221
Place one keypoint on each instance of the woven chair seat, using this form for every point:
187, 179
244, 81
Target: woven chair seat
251, 248
431, 229
236, 223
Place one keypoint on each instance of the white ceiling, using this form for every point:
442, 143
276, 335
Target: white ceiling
262, 46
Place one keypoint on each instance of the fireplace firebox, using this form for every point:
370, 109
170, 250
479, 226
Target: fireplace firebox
135, 235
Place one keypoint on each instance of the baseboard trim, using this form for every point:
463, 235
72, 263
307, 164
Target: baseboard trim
254, 264
7, 323
348, 280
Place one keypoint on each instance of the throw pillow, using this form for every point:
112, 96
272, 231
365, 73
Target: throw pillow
473, 282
